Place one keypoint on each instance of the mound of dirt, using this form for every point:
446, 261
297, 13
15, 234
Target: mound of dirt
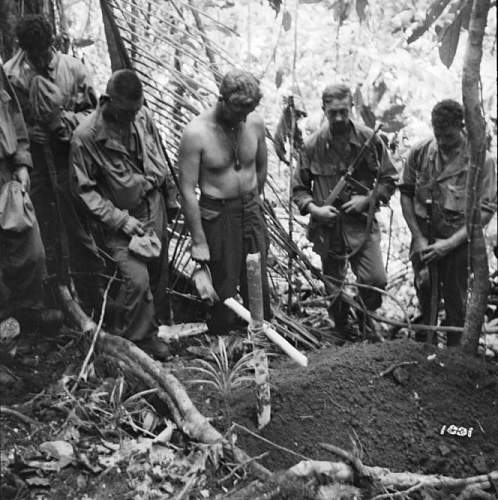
395, 421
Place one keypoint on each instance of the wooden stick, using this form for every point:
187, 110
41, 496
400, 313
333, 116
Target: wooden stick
290, 350
261, 371
86, 362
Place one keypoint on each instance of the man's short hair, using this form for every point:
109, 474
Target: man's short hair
447, 113
240, 87
33, 31
336, 91
126, 84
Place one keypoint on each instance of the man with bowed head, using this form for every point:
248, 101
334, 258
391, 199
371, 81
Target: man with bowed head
223, 152
55, 93
120, 175
436, 172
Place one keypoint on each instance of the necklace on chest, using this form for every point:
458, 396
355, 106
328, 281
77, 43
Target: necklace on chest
232, 136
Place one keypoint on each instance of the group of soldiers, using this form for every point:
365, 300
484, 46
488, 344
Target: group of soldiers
97, 175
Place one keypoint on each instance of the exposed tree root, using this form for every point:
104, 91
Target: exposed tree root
5, 410
409, 480
137, 365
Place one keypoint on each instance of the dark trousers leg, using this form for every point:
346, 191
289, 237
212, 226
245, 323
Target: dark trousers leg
336, 269
224, 234
255, 239
135, 318
368, 267
233, 229
22, 259
453, 274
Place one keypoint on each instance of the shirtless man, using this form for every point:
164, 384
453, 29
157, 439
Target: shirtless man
223, 151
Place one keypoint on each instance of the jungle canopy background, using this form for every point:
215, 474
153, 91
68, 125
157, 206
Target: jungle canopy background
397, 62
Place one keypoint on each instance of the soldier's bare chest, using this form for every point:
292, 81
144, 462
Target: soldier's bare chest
225, 147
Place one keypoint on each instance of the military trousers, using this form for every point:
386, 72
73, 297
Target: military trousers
366, 263
234, 228
138, 297
452, 288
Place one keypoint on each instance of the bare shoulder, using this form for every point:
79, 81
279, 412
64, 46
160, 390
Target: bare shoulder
197, 128
194, 134
256, 123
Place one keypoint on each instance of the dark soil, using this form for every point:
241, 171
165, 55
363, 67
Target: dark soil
394, 420
340, 398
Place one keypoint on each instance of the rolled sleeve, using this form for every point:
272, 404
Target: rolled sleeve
408, 178
301, 183
85, 187
388, 175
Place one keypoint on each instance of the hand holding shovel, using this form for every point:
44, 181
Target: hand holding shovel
204, 284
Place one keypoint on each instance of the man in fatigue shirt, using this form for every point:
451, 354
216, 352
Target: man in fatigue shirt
341, 230
223, 151
55, 94
436, 170
22, 256
119, 171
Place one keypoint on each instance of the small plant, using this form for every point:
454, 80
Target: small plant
223, 376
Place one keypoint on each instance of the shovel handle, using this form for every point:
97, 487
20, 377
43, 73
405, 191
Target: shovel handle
290, 350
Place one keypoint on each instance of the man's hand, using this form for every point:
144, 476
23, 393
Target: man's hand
437, 250
204, 284
356, 205
21, 174
39, 134
133, 226
326, 213
420, 243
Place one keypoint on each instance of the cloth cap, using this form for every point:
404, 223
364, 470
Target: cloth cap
16, 210
147, 247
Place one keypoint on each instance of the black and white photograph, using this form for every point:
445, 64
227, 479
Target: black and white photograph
248, 250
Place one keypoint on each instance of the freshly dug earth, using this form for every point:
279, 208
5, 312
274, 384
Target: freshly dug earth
395, 420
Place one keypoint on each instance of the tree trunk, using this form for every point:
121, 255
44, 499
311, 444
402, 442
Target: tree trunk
476, 128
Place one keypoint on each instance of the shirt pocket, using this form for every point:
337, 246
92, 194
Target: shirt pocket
324, 179
454, 198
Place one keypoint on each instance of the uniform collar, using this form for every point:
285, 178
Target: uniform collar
105, 133
459, 164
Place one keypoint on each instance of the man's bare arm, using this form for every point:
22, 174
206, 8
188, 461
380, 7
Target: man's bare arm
189, 162
261, 155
